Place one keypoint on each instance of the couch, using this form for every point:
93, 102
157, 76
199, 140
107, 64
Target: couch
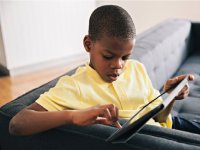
167, 49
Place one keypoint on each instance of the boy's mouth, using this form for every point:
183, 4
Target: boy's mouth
113, 77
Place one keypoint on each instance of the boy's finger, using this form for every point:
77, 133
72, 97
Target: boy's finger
117, 125
191, 77
172, 81
101, 120
177, 80
103, 112
181, 77
185, 88
113, 111
107, 114
182, 95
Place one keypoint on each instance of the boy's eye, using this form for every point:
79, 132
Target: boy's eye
125, 57
107, 57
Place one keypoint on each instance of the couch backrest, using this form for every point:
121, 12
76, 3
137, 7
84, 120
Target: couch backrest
162, 49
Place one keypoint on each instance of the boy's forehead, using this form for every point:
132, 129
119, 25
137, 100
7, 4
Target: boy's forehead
116, 42
115, 48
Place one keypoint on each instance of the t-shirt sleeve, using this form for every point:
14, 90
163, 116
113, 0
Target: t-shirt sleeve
153, 93
65, 95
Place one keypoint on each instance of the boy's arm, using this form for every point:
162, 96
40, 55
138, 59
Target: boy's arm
162, 116
35, 118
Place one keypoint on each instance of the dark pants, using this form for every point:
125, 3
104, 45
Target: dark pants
183, 124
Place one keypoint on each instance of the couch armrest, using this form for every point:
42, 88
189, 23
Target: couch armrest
93, 137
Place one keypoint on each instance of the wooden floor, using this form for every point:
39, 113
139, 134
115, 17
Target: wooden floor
12, 87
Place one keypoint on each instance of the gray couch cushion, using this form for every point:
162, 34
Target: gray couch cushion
191, 65
195, 87
163, 49
188, 108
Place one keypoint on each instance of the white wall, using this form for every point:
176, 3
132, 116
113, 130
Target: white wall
35, 32
147, 13
41, 33
2, 52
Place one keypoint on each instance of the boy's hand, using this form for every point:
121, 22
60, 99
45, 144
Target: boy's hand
100, 114
185, 91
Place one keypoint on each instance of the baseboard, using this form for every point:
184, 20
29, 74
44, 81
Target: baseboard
69, 61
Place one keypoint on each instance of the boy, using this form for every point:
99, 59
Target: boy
109, 87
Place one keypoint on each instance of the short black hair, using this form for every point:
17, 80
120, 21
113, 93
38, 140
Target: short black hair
111, 20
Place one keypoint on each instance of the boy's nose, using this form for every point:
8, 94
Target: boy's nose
117, 64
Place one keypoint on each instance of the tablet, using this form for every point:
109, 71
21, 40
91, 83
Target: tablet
132, 126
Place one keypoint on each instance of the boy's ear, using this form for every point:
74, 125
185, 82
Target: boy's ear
87, 42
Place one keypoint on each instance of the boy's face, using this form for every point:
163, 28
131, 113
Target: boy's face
109, 55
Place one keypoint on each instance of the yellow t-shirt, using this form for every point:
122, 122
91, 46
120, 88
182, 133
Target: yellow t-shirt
86, 88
